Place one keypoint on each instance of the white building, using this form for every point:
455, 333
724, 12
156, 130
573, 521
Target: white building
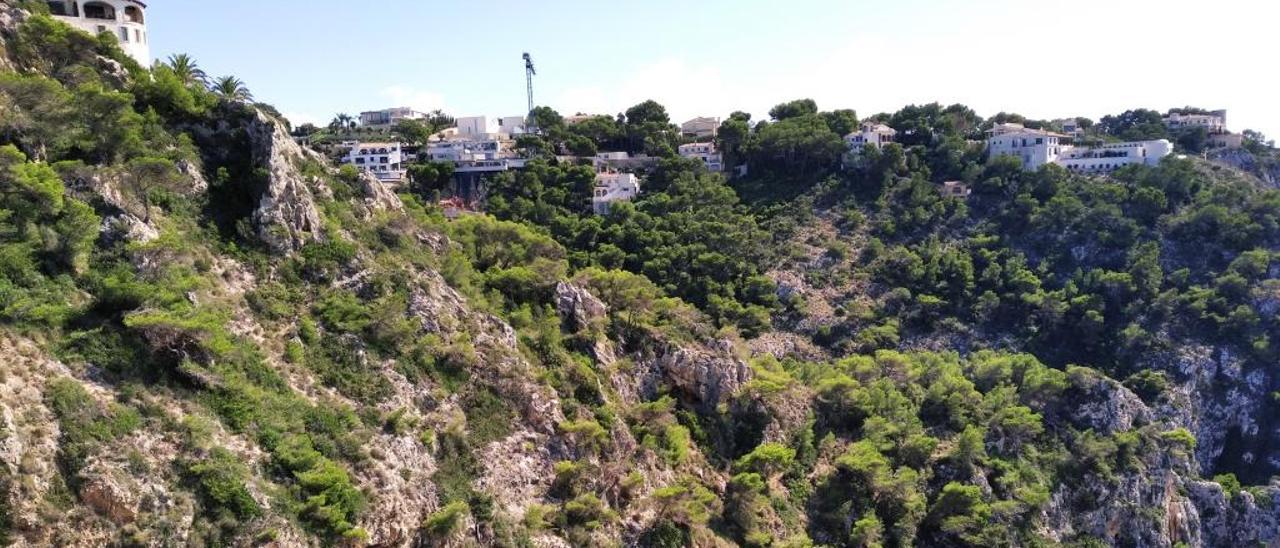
613, 187
124, 19
475, 125
464, 149
1034, 147
1214, 122
701, 126
384, 160
386, 118
511, 125
1113, 156
622, 161
870, 133
706, 152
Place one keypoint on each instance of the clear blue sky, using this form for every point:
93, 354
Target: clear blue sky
1042, 58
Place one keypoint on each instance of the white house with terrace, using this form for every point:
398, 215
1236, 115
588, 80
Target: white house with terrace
611, 188
1113, 156
1035, 148
706, 152
389, 117
870, 133
124, 19
384, 160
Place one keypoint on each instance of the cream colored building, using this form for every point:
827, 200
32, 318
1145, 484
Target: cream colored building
124, 19
701, 126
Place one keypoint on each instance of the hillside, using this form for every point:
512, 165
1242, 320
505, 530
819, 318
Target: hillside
214, 336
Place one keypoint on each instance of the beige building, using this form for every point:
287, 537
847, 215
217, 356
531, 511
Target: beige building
124, 19
700, 127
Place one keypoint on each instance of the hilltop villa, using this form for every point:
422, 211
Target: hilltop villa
125, 19
1036, 148
384, 160
870, 133
386, 118
706, 152
700, 127
613, 187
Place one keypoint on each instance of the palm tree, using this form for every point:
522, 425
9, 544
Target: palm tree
231, 88
186, 69
340, 122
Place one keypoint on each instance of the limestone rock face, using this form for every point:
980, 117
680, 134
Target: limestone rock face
709, 375
577, 306
1107, 406
377, 196
286, 217
1235, 519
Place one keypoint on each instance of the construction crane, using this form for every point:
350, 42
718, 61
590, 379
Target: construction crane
529, 73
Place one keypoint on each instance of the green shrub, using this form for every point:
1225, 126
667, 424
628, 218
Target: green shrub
330, 502
446, 522
221, 478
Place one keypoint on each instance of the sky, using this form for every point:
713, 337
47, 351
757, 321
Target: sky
1043, 59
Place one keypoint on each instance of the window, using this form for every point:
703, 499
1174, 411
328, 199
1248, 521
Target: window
124, 34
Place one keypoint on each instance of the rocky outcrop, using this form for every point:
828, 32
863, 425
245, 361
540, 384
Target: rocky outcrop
1105, 405
1266, 168
707, 375
1236, 519
377, 196
578, 307
1213, 395
286, 217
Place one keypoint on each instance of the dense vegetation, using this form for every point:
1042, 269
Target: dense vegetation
1034, 293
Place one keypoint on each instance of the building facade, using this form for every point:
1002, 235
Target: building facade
1213, 122
701, 126
124, 19
384, 160
706, 152
1112, 156
387, 118
469, 126
512, 125
870, 133
1034, 147
611, 188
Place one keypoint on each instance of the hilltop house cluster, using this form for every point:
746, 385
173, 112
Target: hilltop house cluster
478, 146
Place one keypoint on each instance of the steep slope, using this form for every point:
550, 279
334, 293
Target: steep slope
215, 337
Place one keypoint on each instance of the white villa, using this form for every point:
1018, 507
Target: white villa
125, 19
870, 133
706, 152
384, 160
386, 118
701, 126
1036, 148
613, 187
1112, 156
